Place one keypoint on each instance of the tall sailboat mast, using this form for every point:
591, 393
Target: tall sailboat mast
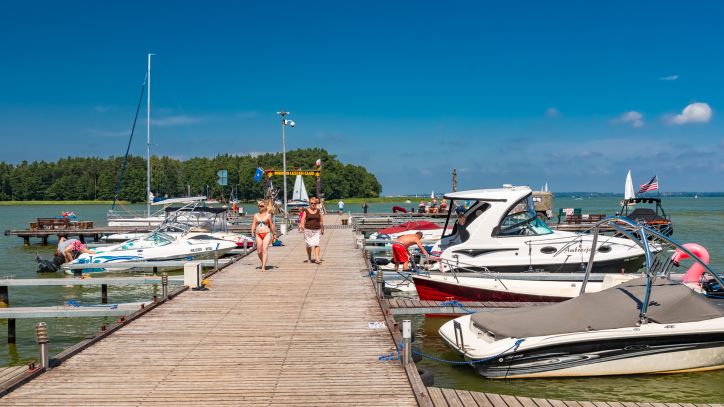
148, 140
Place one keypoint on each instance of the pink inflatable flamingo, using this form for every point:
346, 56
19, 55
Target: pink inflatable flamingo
694, 273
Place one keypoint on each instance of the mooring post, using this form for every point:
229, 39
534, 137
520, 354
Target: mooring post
26, 240
41, 334
164, 285
104, 293
45, 240
155, 271
216, 261
406, 340
11, 331
4, 296
246, 248
380, 282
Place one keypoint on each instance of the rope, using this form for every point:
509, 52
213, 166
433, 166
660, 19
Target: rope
128, 147
397, 355
458, 304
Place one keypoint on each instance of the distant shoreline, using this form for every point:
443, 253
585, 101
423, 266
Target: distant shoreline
90, 202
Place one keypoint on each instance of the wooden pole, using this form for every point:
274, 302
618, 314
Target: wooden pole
104, 293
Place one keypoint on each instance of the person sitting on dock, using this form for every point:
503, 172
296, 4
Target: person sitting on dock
67, 247
399, 249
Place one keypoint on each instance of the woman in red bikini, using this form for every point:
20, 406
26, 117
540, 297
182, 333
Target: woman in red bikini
263, 227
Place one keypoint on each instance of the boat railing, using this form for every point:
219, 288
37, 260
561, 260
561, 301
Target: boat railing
653, 243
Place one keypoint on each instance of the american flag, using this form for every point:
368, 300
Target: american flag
652, 185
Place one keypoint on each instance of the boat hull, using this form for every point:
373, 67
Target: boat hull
621, 265
436, 290
667, 354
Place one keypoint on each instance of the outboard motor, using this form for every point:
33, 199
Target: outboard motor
49, 266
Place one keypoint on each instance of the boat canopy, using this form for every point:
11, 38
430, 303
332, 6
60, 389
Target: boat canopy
186, 199
617, 307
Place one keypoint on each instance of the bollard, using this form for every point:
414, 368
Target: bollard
41, 334
216, 261
380, 283
246, 248
164, 285
406, 340
104, 293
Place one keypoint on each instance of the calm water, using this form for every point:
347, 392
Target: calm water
695, 220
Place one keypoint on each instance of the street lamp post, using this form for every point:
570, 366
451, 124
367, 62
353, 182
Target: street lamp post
285, 122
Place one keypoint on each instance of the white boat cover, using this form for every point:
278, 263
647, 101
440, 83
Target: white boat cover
616, 307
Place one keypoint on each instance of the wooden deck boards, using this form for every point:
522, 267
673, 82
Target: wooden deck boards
296, 335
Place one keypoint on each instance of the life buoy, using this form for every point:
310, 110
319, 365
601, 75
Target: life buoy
693, 274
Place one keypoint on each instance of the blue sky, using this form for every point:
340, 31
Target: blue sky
569, 93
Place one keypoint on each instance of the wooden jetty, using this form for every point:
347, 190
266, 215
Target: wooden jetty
409, 306
298, 334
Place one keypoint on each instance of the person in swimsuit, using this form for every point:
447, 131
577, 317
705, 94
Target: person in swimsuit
400, 255
70, 248
263, 227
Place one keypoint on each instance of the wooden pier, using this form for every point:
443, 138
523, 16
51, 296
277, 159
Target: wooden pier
297, 334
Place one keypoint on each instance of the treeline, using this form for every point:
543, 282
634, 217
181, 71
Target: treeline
79, 178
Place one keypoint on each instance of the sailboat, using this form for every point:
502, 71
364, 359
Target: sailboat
300, 198
129, 217
629, 194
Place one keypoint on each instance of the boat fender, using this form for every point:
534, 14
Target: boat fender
427, 377
416, 355
693, 274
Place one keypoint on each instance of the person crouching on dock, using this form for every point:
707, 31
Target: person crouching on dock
399, 249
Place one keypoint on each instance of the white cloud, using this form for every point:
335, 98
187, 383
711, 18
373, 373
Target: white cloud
693, 113
669, 78
633, 117
179, 120
552, 112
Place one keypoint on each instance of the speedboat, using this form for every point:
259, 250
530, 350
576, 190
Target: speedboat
156, 246
502, 233
646, 325
508, 287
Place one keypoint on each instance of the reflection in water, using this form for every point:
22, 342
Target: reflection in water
703, 387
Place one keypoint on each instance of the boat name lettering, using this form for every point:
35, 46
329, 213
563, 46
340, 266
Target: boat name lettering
579, 249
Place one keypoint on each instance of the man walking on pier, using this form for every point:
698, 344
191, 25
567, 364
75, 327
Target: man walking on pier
399, 249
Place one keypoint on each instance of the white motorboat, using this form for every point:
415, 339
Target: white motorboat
645, 325
156, 246
502, 233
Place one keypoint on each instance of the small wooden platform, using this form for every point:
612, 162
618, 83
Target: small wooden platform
67, 311
455, 398
405, 306
295, 335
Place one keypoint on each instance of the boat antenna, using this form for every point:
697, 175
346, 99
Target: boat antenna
128, 147
148, 138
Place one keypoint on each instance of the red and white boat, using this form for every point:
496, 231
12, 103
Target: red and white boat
488, 287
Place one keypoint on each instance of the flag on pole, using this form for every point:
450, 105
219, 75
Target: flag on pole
652, 185
258, 174
318, 163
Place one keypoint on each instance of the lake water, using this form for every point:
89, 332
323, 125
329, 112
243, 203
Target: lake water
695, 220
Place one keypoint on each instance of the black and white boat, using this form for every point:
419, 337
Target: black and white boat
502, 233
646, 325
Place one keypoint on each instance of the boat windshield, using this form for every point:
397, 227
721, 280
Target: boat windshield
522, 220
158, 239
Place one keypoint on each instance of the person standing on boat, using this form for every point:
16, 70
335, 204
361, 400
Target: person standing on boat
312, 225
263, 228
400, 255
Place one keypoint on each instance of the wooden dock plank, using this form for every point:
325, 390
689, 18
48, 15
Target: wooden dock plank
452, 398
297, 334
437, 397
